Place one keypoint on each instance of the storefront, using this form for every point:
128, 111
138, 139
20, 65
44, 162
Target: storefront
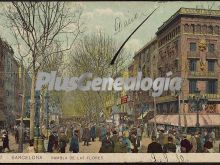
206, 121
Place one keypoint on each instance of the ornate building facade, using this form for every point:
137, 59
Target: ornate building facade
188, 45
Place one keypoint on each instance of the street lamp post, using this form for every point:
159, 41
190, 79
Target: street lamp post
37, 97
21, 131
138, 95
47, 110
196, 102
179, 109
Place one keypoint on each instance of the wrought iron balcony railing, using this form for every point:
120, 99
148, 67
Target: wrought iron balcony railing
202, 74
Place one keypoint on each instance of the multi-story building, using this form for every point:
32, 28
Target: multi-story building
145, 61
9, 84
189, 46
2, 91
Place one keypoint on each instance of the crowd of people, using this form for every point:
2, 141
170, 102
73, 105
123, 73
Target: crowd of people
171, 141
121, 139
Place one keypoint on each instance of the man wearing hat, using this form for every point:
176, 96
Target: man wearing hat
74, 145
63, 140
114, 138
186, 146
154, 147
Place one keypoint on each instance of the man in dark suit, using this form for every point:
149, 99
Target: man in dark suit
154, 147
186, 146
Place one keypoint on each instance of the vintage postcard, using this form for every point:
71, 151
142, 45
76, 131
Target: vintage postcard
109, 81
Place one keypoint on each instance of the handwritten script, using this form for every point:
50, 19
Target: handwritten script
121, 23
164, 158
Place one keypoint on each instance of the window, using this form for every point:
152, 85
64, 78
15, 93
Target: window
211, 87
211, 65
211, 48
192, 46
192, 86
192, 65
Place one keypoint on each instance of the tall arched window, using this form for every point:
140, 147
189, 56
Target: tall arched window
204, 29
198, 29
216, 30
192, 28
210, 30
186, 28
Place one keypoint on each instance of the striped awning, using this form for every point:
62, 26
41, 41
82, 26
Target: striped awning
145, 114
189, 120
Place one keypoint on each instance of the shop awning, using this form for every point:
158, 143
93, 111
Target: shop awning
24, 119
189, 120
145, 114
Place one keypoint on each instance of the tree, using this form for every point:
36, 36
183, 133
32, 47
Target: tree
38, 25
93, 54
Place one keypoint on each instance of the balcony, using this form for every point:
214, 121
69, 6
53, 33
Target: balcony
205, 75
212, 55
193, 54
209, 55
163, 99
211, 97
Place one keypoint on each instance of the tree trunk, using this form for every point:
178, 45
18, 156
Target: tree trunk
32, 105
42, 110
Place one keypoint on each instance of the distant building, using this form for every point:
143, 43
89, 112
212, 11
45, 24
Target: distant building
9, 82
10, 85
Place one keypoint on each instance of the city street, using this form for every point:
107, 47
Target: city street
93, 146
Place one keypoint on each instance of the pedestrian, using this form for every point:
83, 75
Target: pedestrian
86, 135
63, 140
126, 141
56, 148
208, 146
51, 142
169, 147
139, 135
107, 145
5, 140
93, 133
68, 132
74, 145
185, 144
161, 137
103, 132
30, 148
154, 146
119, 146
178, 146
16, 135
212, 134
205, 135
199, 142
134, 142
80, 133
193, 142
114, 139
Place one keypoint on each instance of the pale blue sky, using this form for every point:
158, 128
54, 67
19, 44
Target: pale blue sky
102, 15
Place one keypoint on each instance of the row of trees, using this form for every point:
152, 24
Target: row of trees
49, 36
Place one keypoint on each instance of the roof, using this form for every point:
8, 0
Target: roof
205, 120
190, 12
145, 46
